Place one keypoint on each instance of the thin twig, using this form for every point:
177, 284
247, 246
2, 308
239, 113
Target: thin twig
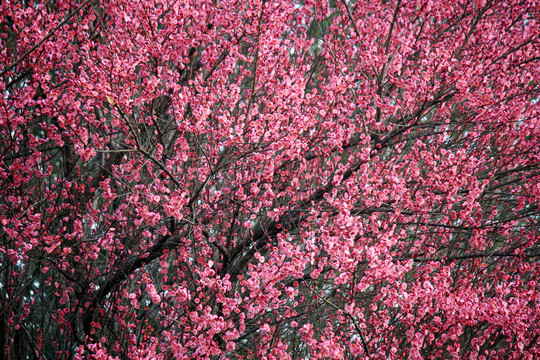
35, 47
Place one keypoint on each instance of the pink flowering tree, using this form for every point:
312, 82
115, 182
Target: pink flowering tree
263, 179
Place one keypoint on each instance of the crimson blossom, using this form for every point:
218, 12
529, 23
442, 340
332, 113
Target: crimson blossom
269, 179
